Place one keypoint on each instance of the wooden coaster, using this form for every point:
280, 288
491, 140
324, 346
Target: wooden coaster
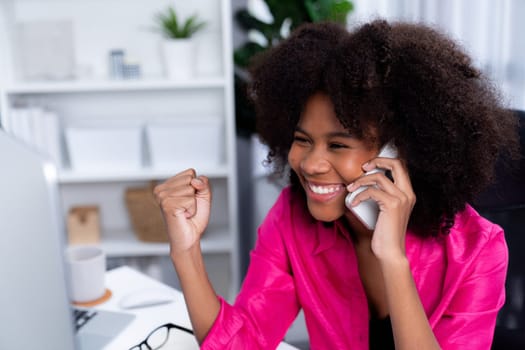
102, 299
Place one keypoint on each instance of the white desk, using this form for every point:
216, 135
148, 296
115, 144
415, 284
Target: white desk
124, 280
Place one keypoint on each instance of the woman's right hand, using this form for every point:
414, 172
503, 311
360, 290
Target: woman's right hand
185, 202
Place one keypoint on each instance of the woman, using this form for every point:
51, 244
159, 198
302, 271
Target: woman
431, 273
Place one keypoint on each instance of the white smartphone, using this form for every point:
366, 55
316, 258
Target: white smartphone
368, 211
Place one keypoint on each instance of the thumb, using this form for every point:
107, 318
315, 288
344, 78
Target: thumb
203, 198
202, 187
180, 216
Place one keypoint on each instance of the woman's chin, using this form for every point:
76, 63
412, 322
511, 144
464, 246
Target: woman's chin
325, 213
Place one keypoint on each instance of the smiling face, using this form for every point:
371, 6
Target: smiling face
326, 158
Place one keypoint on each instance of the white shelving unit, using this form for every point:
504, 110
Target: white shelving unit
113, 85
147, 173
102, 25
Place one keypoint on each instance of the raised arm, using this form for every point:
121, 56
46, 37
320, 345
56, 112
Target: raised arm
396, 200
185, 200
268, 302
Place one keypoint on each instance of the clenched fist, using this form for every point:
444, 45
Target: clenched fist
185, 201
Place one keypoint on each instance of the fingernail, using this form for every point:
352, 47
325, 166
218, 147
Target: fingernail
199, 181
349, 187
366, 165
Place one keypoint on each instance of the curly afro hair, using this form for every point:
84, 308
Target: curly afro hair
409, 82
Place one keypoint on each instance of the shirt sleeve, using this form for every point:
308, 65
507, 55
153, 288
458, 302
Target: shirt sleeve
469, 321
267, 303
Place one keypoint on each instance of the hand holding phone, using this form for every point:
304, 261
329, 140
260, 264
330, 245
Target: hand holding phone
368, 211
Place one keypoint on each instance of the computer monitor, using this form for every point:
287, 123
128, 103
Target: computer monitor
35, 307
34, 303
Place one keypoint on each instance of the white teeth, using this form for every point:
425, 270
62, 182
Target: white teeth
324, 189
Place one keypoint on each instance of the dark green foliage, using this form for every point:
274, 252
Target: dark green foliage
295, 13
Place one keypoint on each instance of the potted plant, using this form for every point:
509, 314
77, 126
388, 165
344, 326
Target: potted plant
178, 45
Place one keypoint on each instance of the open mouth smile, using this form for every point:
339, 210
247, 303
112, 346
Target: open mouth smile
323, 192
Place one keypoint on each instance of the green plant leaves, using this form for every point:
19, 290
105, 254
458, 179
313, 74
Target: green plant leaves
170, 27
191, 26
243, 54
328, 10
283, 9
296, 12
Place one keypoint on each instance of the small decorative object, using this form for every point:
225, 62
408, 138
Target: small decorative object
116, 64
83, 225
131, 70
121, 67
178, 46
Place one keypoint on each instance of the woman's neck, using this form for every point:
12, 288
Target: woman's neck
358, 231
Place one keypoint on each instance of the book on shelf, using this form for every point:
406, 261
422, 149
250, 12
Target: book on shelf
39, 128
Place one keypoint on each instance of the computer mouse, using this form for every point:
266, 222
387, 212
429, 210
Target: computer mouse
146, 297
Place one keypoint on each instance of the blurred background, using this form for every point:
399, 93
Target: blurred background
122, 94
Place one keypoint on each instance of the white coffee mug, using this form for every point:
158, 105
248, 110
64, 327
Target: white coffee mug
87, 270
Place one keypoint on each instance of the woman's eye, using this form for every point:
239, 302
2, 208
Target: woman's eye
300, 139
336, 145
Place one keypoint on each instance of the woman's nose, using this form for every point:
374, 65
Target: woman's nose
314, 162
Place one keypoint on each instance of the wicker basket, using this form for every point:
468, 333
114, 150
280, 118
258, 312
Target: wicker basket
145, 214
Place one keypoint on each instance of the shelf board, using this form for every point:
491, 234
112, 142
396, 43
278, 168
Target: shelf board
123, 243
67, 176
77, 86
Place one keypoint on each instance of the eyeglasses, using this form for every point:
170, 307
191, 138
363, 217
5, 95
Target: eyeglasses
158, 337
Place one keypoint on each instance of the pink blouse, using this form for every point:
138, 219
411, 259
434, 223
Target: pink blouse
299, 262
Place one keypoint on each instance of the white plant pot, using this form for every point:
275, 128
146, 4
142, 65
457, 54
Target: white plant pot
179, 58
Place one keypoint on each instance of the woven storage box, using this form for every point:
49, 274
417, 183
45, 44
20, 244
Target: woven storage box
145, 214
